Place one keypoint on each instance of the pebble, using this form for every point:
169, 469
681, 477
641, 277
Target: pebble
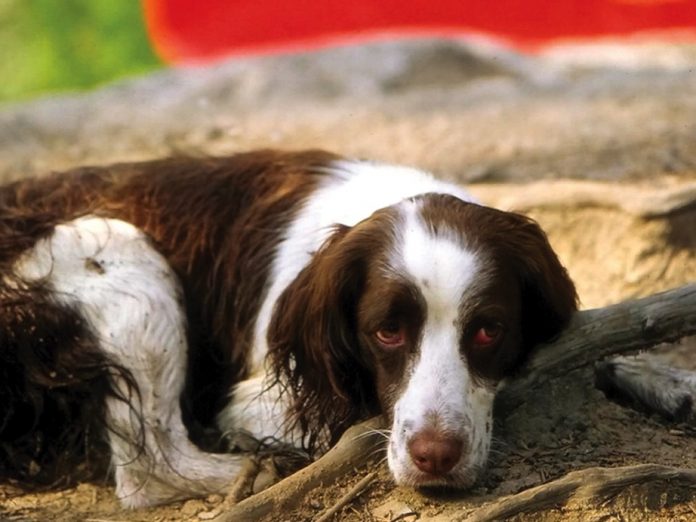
214, 498
192, 507
209, 515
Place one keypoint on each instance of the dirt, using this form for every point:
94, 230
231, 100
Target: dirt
597, 144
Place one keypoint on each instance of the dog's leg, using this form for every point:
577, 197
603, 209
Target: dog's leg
129, 297
649, 384
259, 410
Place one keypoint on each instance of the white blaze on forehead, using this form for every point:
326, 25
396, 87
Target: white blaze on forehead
439, 265
442, 269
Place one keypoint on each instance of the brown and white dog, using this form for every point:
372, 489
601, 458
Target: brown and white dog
284, 294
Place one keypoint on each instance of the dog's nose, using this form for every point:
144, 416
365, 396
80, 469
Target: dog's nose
435, 453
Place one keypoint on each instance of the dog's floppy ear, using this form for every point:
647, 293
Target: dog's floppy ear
313, 342
548, 294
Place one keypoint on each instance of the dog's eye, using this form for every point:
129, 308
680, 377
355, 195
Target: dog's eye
487, 335
391, 335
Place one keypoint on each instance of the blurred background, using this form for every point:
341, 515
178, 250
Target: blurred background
57, 45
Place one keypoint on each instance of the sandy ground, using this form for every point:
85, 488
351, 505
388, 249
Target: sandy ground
597, 143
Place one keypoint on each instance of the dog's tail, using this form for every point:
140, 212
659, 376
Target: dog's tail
53, 378
53, 381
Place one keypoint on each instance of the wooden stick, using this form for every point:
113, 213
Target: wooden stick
347, 498
355, 448
594, 484
595, 334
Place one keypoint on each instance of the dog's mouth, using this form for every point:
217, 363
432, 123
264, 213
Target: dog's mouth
454, 480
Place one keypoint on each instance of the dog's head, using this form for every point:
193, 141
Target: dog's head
418, 312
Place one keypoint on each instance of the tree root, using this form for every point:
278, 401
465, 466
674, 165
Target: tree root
355, 448
595, 485
622, 328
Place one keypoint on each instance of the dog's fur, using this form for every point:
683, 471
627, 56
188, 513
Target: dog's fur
285, 295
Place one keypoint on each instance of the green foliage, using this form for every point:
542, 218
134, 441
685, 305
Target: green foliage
53, 45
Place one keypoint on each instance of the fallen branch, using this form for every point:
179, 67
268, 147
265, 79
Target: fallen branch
357, 445
597, 485
595, 334
347, 498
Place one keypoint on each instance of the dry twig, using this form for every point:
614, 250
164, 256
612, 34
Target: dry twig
347, 498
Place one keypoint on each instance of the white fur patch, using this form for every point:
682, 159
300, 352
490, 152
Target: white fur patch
259, 410
355, 191
440, 393
130, 298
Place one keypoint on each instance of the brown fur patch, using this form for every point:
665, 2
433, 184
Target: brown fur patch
314, 331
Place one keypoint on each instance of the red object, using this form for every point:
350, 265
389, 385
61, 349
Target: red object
185, 31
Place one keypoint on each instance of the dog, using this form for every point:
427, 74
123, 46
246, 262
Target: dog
280, 294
